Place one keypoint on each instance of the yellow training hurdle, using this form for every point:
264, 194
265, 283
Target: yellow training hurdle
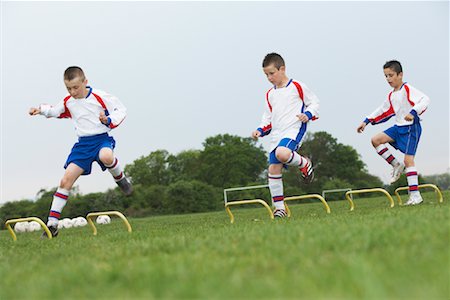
262, 202
325, 204
101, 213
426, 185
13, 221
352, 205
269, 210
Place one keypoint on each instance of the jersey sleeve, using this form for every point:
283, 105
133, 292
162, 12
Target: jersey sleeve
265, 127
116, 111
417, 99
311, 102
381, 114
50, 111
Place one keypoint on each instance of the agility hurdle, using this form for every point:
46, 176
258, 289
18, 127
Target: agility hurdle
13, 221
108, 213
352, 205
325, 204
426, 185
264, 203
240, 202
225, 191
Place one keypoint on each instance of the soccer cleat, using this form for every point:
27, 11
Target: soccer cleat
125, 186
53, 230
280, 213
307, 171
414, 200
397, 171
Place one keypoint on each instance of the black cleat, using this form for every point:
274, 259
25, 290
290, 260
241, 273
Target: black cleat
125, 186
53, 230
280, 213
307, 172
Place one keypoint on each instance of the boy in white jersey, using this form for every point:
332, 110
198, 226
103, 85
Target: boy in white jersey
407, 104
290, 105
94, 113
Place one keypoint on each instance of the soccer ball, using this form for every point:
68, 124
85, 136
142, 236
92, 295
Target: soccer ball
67, 223
21, 227
34, 226
103, 219
60, 224
79, 222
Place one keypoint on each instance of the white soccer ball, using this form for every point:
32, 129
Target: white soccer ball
103, 219
21, 227
67, 223
79, 222
34, 226
60, 224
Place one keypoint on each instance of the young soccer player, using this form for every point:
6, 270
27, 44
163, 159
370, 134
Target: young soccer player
407, 104
94, 114
290, 105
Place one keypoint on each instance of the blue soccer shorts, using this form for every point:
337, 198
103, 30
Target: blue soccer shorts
286, 142
86, 151
406, 138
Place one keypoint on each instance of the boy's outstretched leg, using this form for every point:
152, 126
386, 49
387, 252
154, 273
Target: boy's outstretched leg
61, 196
111, 162
379, 143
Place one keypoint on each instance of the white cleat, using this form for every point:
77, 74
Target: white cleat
414, 200
397, 172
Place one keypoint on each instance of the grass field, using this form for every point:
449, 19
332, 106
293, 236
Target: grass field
374, 252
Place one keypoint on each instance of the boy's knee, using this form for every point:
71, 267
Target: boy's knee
106, 157
65, 183
283, 154
375, 141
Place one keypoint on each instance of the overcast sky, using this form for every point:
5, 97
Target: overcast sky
190, 70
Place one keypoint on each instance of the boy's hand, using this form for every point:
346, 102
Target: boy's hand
409, 117
103, 118
34, 111
256, 134
303, 118
361, 127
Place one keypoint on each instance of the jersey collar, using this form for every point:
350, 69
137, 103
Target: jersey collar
289, 82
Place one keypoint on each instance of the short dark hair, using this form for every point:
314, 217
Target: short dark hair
72, 72
394, 65
273, 58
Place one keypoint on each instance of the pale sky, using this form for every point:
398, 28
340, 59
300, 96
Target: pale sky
190, 70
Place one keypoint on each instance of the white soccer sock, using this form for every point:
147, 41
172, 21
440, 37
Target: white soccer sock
59, 201
297, 160
413, 180
384, 152
115, 170
276, 190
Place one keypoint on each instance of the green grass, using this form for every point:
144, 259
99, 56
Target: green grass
374, 252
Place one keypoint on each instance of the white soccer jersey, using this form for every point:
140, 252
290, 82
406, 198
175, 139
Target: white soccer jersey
400, 103
282, 107
85, 112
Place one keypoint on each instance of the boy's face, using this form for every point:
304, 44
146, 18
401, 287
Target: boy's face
274, 75
394, 79
76, 87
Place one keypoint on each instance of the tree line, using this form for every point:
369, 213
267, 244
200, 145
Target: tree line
193, 180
